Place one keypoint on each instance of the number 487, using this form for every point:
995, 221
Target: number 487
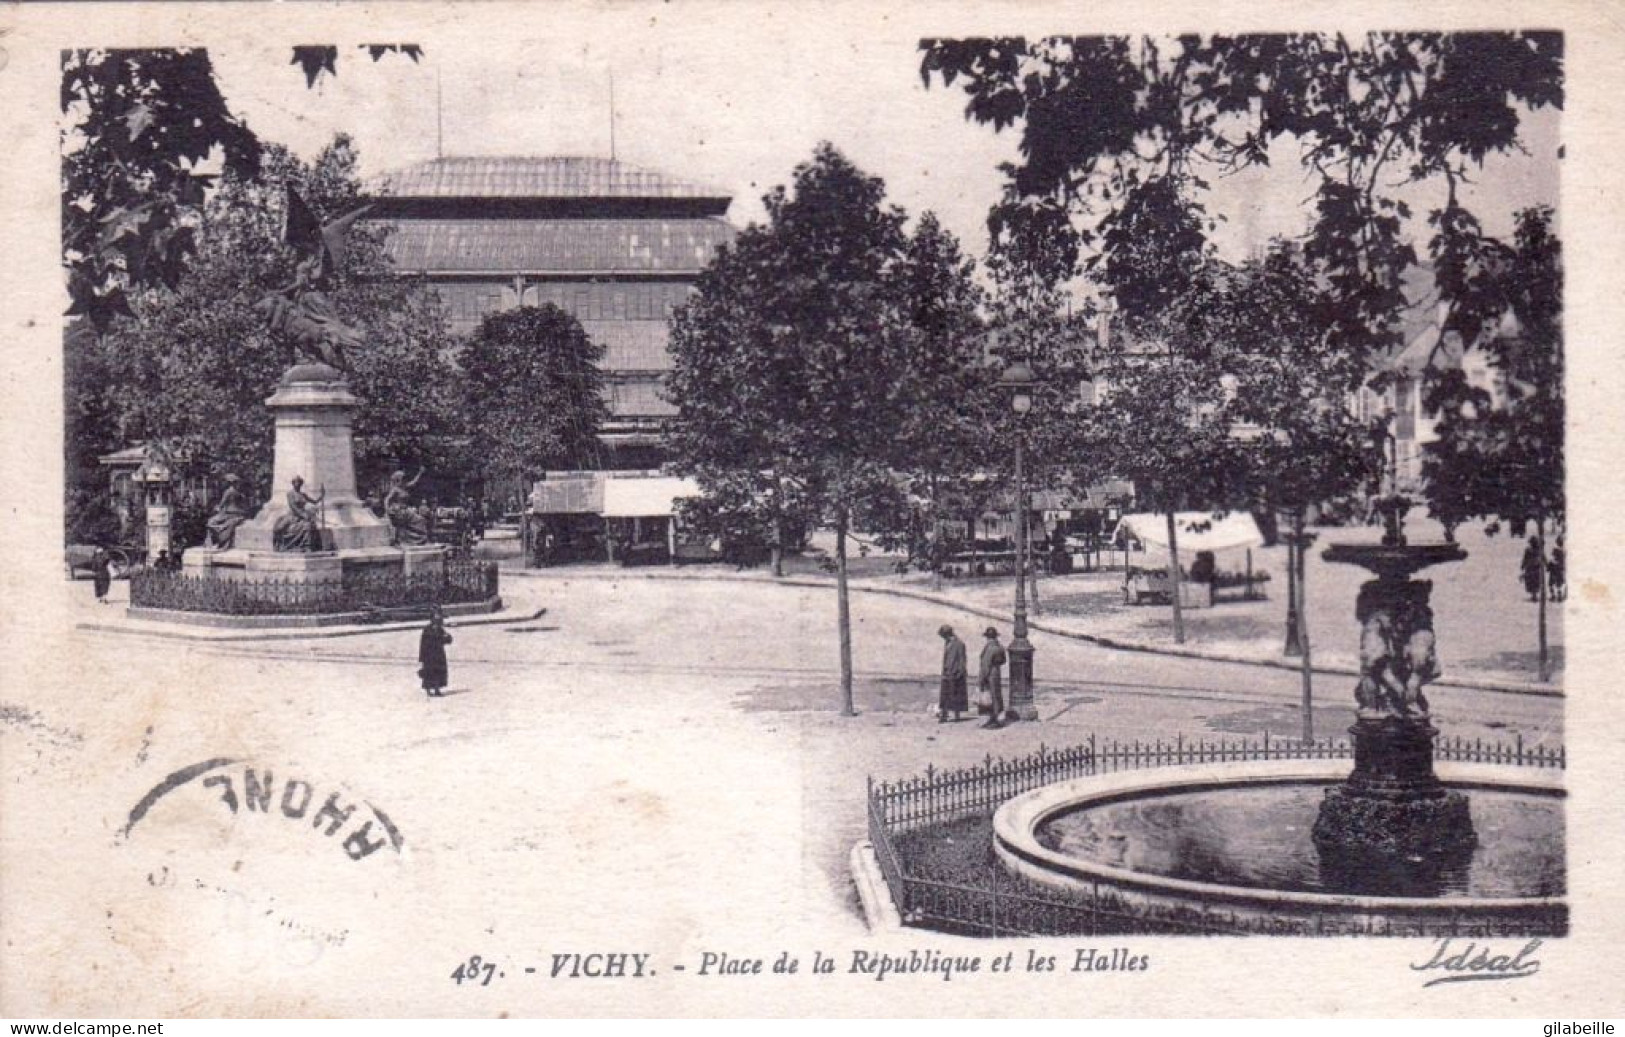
475, 970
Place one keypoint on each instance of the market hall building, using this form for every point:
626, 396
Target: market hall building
616, 246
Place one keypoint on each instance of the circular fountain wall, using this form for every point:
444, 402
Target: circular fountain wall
1233, 842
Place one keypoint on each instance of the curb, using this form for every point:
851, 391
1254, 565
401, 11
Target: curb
879, 910
304, 633
1485, 684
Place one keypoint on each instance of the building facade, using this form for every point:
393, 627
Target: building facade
616, 246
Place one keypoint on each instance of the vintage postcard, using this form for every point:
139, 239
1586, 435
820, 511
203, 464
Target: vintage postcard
758, 508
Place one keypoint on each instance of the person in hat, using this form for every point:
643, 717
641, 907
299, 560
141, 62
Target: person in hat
954, 698
432, 644
992, 684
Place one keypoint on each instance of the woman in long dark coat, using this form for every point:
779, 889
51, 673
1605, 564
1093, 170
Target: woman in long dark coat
101, 574
955, 696
432, 653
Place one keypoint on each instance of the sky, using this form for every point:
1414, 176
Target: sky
698, 103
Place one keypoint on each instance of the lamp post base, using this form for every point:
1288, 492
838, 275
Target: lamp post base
1022, 706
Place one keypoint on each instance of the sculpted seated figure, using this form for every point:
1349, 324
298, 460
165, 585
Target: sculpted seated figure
407, 525
228, 515
299, 529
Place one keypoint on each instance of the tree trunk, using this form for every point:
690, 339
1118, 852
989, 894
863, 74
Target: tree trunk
1306, 667
936, 537
1545, 672
1293, 645
843, 615
776, 551
1173, 581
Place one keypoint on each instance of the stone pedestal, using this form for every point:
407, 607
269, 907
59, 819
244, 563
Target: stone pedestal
1393, 829
158, 536
1393, 803
313, 408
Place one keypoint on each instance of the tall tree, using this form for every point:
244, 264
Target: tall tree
796, 361
535, 394
943, 442
1117, 133
1500, 456
1286, 397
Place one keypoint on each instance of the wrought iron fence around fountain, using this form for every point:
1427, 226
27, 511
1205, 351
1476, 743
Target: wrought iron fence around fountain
940, 796
458, 582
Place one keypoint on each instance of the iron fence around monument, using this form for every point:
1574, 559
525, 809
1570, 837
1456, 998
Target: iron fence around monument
457, 582
896, 809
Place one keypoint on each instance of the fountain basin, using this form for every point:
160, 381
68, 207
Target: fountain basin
1394, 561
1251, 888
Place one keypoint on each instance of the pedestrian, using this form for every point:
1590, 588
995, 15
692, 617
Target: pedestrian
1531, 568
992, 678
1556, 575
101, 574
954, 697
432, 653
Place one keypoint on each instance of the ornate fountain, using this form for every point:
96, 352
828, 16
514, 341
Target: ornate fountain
1393, 814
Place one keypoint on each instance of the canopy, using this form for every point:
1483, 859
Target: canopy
647, 497
1198, 530
569, 493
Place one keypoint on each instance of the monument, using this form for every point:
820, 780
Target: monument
314, 543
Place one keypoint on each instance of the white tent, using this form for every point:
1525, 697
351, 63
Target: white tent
1197, 531
645, 496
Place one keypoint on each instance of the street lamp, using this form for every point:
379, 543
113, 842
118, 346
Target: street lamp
1018, 381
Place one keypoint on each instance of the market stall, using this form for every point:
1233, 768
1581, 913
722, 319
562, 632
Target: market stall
1215, 554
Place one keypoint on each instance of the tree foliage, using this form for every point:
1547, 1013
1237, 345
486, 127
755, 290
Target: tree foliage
138, 125
534, 393
826, 349
1504, 457
138, 121
1117, 133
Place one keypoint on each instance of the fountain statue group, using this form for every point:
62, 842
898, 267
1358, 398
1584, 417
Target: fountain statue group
1397, 649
